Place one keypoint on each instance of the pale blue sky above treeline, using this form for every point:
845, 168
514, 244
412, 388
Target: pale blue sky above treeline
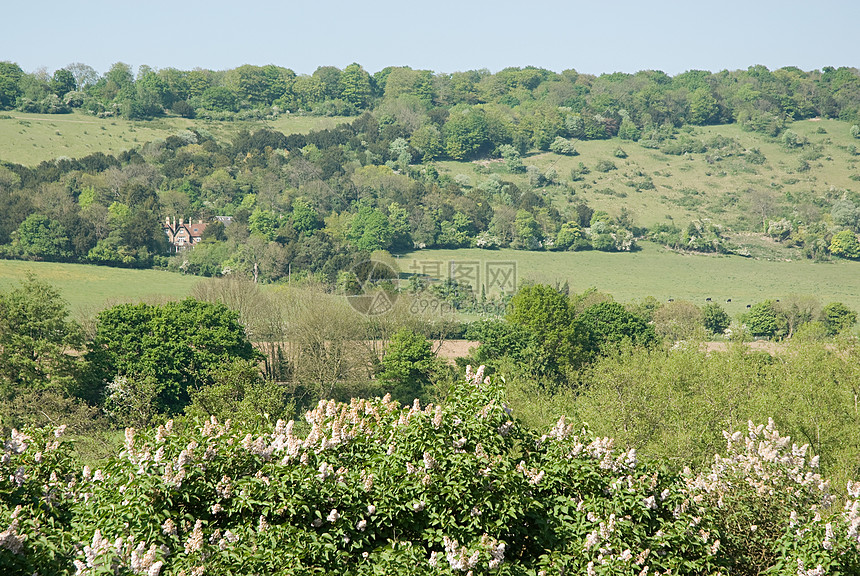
441, 35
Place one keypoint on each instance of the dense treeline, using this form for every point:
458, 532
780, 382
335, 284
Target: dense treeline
299, 202
597, 106
311, 203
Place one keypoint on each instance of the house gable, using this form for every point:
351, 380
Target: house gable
183, 235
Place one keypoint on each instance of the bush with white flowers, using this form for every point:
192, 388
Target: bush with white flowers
372, 488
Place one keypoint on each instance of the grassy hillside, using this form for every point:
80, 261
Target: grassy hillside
32, 138
90, 288
656, 271
721, 184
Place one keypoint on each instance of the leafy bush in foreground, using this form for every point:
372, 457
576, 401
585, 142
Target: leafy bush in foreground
449, 489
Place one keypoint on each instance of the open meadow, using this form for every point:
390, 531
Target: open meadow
651, 271
32, 138
662, 273
89, 288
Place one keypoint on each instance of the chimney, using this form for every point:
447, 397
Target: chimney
180, 220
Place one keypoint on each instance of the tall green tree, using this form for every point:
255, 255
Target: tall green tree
10, 77
40, 237
838, 317
408, 366
219, 98
37, 340
116, 80
704, 108
304, 217
355, 86
177, 346
369, 230
62, 82
610, 324
465, 133
558, 342
716, 319
763, 320
401, 235
330, 81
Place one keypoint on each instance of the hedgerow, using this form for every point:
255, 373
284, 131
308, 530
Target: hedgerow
376, 488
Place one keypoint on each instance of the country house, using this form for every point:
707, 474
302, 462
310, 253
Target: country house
183, 235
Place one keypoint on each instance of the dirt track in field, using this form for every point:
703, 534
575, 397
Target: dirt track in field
451, 349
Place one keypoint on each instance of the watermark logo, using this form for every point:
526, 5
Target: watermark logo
372, 290
433, 286
501, 277
490, 277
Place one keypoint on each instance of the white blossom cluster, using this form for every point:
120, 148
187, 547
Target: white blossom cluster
9, 538
534, 476
598, 448
195, 541
460, 558
765, 460
17, 442
496, 549
802, 571
476, 378
101, 553
851, 514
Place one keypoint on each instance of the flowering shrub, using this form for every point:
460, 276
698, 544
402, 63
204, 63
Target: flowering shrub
774, 510
373, 488
37, 502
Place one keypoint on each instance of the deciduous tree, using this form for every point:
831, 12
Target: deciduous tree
179, 345
40, 237
37, 340
355, 86
408, 366
838, 317
845, 245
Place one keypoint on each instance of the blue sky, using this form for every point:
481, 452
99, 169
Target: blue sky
442, 35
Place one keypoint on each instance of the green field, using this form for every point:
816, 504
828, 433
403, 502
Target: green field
687, 187
89, 289
693, 186
652, 271
656, 271
32, 138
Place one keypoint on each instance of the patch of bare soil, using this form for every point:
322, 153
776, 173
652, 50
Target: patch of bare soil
772, 348
451, 349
